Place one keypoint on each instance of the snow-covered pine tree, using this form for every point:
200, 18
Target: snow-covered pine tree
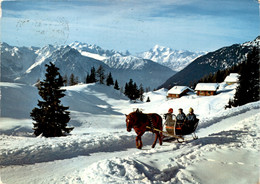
51, 117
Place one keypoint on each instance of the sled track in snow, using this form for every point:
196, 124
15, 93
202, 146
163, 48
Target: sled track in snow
45, 149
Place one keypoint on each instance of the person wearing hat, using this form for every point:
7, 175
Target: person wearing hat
169, 114
181, 116
191, 116
170, 120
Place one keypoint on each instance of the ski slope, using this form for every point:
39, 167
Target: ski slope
100, 150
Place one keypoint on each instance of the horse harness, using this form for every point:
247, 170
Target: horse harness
150, 119
151, 122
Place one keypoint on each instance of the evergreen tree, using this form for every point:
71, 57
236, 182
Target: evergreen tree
72, 81
127, 89
135, 94
88, 79
131, 90
147, 89
109, 80
92, 77
101, 74
248, 88
141, 92
218, 77
148, 99
77, 80
116, 85
51, 117
65, 78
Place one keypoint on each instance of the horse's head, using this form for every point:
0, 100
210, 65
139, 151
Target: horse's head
130, 121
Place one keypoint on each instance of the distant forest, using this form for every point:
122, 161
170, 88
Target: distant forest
248, 89
220, 75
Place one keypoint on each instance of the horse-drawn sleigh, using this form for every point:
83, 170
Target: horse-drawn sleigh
142, 122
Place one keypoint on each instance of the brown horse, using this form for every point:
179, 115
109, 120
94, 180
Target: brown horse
139, 122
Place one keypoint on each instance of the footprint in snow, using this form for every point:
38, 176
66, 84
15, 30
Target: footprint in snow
193, 157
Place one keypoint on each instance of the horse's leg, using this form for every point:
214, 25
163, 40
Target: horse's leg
160, 135
160, 138
141, 143
155, 140
137, 140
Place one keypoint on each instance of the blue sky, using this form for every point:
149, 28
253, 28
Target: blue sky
134, 25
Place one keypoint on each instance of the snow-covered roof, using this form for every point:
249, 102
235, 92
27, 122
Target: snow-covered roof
232, 77
206, 87
178, 89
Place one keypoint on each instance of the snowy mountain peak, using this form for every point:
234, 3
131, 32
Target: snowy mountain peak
157, 48
254, 43
174, 59
26, 65
125, 62
93, 49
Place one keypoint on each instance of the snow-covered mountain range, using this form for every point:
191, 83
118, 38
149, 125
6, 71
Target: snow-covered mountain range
174, 59
151, 68
211, 62
27, 65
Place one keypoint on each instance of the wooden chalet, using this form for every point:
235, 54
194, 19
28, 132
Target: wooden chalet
206, 89
232, 78
178, 91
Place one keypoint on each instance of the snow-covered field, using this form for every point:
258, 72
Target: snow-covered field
100, 150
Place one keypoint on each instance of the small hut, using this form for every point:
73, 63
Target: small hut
178, 91
232, 78
206, 89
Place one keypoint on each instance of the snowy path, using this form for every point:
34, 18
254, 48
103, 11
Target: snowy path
229, 144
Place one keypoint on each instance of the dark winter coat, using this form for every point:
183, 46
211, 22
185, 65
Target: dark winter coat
191, 117
181, 117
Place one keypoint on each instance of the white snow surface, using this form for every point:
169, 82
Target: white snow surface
100, 150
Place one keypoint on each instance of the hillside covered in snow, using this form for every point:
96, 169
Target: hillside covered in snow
100, 150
